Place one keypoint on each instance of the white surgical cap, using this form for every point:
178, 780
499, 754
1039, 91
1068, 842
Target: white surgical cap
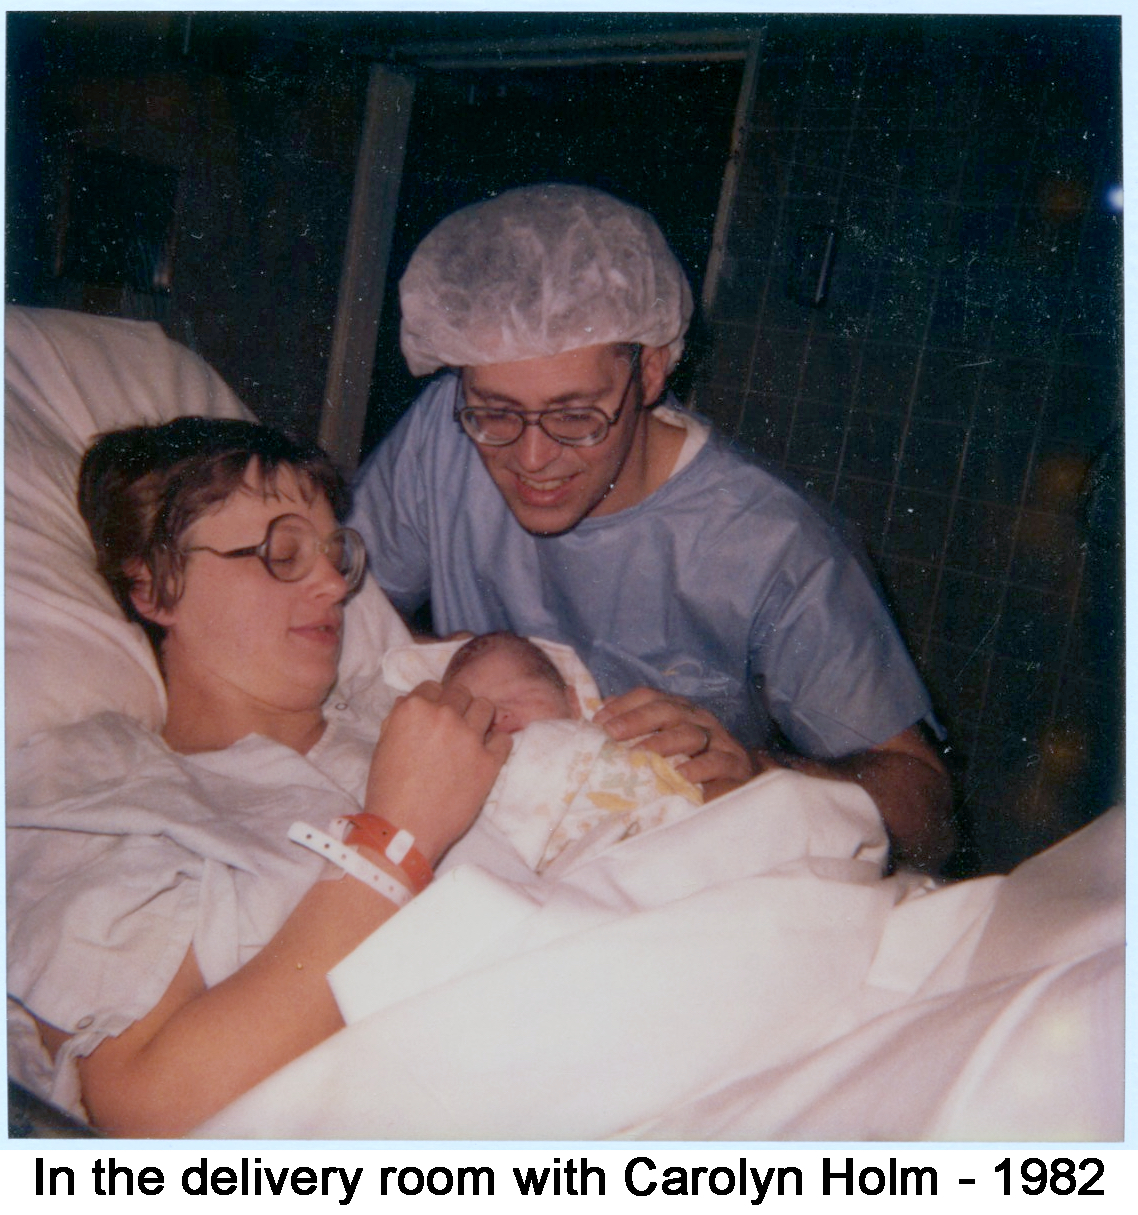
537, 271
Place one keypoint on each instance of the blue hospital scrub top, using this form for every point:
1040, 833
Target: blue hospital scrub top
724, 586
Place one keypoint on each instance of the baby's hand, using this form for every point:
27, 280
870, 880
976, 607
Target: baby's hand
434, 765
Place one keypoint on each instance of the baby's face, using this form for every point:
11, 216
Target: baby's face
518, 696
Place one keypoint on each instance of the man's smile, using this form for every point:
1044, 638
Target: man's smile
545, 484
545, 491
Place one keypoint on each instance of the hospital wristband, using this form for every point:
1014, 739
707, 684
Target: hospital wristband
395, 843
351, 862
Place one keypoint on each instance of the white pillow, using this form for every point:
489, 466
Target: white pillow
69, 651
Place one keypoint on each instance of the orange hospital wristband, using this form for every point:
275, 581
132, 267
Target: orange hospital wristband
395, 843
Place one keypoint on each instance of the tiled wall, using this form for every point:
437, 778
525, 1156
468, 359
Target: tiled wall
959, 393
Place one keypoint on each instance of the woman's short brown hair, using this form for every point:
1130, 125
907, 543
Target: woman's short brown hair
140, 489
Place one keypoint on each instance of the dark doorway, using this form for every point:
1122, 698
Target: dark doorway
657, 135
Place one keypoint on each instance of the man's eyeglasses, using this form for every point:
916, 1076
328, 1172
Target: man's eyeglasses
573, 426
291, 546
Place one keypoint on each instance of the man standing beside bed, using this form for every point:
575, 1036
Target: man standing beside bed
546, 483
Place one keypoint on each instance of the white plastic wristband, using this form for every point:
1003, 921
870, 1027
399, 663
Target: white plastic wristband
350, 861
402, 843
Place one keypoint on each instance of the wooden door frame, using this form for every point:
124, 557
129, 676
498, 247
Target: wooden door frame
379, 170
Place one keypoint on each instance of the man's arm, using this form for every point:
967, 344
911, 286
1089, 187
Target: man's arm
909, 785
904, 775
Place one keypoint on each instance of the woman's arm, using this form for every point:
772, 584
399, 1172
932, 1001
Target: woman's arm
199, 1047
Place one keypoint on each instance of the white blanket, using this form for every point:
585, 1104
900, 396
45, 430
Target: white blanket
745, 973
566, 778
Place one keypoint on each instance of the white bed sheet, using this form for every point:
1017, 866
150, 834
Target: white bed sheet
743, 974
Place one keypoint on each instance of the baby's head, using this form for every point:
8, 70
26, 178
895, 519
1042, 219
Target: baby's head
516, 676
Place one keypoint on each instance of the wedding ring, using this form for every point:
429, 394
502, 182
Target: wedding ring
706, 741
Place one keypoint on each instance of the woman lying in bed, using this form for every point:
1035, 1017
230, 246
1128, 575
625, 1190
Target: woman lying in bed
169, 943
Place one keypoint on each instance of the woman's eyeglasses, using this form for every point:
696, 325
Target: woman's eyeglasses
573, 426
291, 546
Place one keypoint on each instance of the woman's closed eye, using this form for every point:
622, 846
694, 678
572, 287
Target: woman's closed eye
286, 563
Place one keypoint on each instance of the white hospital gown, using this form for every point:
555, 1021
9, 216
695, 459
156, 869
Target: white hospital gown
122, 854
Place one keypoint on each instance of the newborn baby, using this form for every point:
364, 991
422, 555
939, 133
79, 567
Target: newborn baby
517, 677
565, 776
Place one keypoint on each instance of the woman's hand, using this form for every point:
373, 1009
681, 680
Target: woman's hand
674, 726
434, 765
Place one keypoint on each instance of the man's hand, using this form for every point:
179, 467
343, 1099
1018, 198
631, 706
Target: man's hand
671, 725
904, 775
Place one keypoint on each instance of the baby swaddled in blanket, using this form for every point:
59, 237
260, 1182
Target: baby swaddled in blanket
565, 776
